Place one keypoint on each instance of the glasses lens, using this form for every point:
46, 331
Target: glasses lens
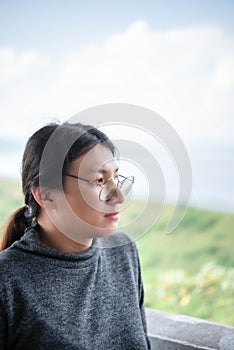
108, 189
123, 183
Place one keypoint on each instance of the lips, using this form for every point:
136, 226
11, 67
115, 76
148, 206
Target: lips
113, 216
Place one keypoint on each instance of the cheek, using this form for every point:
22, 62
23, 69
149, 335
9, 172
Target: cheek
89, 198
86, 203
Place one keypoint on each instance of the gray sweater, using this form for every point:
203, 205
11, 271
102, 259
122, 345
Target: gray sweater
52, 300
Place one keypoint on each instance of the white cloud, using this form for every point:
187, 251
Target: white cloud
185, 74
223, 77
14, 66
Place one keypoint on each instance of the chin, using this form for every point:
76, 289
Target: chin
103, 232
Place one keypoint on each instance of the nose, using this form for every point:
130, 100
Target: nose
117, 196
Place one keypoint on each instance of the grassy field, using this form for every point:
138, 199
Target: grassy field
190, 271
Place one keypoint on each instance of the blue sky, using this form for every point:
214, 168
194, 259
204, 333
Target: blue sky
43, 44
175, 57
56, 26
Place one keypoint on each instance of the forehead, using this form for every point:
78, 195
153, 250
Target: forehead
97, 159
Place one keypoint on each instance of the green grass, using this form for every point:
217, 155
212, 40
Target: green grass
189, 271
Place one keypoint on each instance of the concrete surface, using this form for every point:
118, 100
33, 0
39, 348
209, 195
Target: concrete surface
180, 332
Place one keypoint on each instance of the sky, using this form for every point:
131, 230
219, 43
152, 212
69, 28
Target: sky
173, 57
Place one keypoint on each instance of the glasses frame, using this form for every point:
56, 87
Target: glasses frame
95, 182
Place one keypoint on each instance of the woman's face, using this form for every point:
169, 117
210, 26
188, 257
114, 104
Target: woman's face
94, 217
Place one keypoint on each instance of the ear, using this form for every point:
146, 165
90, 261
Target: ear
44, 197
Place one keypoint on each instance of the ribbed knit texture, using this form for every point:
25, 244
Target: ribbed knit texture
52, 300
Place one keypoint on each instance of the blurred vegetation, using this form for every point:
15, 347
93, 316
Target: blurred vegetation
11, 198
189, 271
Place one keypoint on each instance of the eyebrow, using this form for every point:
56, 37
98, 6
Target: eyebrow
102, 171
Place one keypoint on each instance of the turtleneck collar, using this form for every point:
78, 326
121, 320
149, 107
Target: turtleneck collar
31, 243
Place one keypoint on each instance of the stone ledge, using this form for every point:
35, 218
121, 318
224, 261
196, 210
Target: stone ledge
179, 332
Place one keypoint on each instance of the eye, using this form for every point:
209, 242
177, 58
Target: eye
100, 180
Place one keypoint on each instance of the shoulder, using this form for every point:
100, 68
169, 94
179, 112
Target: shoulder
119, 247
6, 270
6, 256
10, 262
118, 240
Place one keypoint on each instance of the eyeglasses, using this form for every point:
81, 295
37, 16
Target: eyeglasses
109, 186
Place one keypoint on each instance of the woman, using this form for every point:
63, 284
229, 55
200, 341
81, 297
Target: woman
68, 280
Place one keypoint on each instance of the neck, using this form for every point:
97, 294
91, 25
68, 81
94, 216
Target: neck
53, 238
